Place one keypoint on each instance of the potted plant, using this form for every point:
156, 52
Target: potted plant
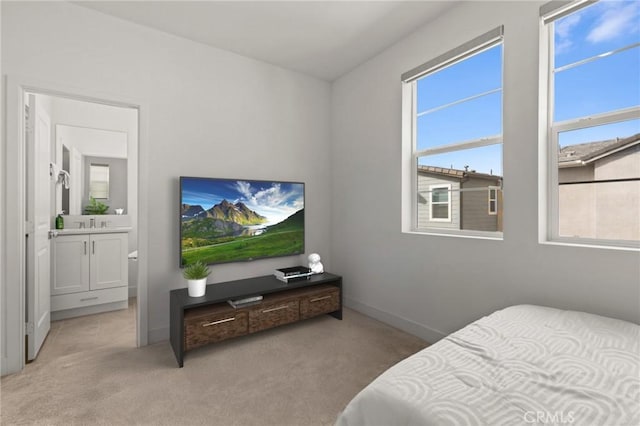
95, 207
196, 275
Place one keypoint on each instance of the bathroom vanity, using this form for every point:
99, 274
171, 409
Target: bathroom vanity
89, 270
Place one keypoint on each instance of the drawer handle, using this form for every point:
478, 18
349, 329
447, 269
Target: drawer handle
209, 324
279, 308
317, 299
88, 298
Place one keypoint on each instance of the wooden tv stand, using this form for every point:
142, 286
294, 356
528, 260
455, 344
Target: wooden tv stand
197, 321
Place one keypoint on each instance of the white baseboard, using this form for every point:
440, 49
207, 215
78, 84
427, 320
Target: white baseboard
428, 334
158, 335
133, 291
89, 310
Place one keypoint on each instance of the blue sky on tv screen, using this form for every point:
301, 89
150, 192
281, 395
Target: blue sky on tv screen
274, 200
607, 83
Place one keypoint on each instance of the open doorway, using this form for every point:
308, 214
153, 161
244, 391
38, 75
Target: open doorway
82, 238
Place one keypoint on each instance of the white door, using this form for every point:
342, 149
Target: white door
38, 224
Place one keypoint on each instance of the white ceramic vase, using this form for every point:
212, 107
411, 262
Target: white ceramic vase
197, 288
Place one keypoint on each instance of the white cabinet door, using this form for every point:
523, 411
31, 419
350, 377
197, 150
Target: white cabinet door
71, 264
108, 261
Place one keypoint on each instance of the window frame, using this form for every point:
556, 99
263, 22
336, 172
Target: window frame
550, 130
99, 188
494, 199
446, 186
411, 155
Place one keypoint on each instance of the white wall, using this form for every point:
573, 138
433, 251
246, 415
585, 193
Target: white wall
96, 142
211, 113
434, 285
214, 113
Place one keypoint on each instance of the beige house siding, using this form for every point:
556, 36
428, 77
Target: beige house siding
615, 218
621, 165
577, 210
576, 174
424, 183
607, 210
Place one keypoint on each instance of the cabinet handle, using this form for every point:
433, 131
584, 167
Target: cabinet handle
317, 299
85, 247
93, 247
218, 322
279, 308
88, 298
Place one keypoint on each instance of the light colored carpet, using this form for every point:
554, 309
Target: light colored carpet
90, 373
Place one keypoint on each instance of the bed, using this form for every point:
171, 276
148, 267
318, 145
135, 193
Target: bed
521, 365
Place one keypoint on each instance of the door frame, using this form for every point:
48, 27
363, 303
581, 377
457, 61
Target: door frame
12, 203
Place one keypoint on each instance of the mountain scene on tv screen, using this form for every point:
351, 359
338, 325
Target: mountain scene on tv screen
228, 220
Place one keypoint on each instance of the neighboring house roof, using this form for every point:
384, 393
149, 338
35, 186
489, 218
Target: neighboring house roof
584, 153
456, 173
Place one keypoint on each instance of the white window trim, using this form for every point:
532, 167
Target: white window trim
409, 214
553, 189
548, 171
460, 146
489, 189
446, 186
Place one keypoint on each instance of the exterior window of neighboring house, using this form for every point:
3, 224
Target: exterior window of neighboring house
592, 55
493, 200
452, 137
440, 205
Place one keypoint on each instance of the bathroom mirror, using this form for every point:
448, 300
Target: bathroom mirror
96, 161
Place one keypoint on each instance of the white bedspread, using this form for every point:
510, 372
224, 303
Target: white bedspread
520, 365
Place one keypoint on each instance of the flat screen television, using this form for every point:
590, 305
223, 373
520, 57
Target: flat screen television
232, 220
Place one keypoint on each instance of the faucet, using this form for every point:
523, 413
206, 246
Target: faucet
92, 222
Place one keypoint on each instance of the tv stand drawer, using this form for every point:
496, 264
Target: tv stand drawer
201, 329
324, 301
272, 314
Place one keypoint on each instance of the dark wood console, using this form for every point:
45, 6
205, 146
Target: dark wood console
197, 321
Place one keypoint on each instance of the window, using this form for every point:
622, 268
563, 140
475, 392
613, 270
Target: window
452, 136
593, 122
440, 205
493, 200
99, 181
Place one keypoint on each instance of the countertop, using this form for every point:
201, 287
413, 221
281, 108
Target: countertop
97, 230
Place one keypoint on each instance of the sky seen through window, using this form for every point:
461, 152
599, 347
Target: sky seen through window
597, 85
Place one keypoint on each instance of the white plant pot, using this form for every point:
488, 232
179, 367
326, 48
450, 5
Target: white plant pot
197, 288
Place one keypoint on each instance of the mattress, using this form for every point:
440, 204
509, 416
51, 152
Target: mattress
521, 365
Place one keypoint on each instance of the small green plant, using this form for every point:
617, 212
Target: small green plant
95, 207
196, 271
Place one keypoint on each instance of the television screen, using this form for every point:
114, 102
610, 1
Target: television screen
230, 220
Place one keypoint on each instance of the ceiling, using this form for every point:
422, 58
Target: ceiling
324, 39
